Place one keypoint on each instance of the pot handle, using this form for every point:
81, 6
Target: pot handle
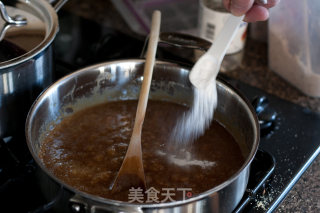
179, 40
184, 41
17, 20
266, 115
57, 4
9, 21
80, 204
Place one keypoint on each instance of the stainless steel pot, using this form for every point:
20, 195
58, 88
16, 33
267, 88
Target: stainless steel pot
120, 80
27, 29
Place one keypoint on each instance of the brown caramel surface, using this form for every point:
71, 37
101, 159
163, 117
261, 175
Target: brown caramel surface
86, 150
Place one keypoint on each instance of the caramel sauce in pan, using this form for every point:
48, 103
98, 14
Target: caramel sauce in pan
86, 150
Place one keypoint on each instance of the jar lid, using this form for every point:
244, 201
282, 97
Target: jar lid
24, 26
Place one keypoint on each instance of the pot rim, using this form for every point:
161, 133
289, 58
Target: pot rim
142, 205
50, 17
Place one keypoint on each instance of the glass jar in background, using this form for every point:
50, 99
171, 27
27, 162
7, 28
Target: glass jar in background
212, 17
259, 31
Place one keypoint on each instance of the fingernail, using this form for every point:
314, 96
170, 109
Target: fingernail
235, 11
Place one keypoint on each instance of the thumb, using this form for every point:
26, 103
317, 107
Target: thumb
239, 7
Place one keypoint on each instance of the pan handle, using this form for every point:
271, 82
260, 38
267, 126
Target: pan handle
179, 40
79, 204
184, 41
57, 4
267, 116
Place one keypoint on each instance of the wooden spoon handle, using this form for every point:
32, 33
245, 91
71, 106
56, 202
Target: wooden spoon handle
131, 172
148, 70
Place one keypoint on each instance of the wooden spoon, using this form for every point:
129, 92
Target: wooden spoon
131, 173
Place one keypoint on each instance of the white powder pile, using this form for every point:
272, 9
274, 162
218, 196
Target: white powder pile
187, 160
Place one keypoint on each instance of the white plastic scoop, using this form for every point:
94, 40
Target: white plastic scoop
203, 76
208, 66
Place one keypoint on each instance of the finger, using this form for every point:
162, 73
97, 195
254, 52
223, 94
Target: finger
240, 7
226, 4
257, 13
271, 3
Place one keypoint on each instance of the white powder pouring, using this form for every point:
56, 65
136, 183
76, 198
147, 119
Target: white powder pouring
203, 75
193, 123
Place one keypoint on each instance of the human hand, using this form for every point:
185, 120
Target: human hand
253, 12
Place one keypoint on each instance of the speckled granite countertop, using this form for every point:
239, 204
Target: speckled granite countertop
305, 196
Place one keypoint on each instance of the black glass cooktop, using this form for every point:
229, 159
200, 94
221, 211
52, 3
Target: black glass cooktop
286, 148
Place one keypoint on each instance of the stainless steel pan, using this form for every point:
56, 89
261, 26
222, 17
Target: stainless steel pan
119, 80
